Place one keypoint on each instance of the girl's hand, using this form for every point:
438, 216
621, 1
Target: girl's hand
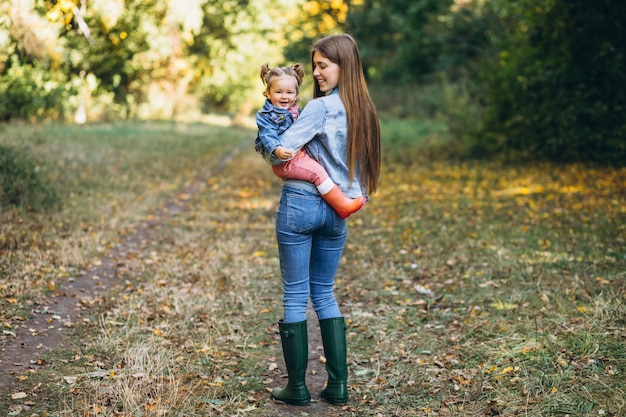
284, 153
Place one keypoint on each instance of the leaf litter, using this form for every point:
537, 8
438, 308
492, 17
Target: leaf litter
513, 289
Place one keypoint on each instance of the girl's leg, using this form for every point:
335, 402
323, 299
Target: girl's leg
305, 168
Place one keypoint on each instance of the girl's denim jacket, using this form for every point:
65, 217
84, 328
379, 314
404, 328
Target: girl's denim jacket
323, 128
271, 122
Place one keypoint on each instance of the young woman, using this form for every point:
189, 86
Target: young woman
341, 131
282, 86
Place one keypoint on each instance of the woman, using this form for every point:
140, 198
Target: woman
339, 129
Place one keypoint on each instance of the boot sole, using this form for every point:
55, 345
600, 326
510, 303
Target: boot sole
299, 403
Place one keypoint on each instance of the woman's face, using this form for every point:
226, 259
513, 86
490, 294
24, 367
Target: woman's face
325, 72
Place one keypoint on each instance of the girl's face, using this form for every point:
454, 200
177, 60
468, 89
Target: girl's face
283, 91
325, 72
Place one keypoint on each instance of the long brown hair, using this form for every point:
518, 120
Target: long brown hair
363, 125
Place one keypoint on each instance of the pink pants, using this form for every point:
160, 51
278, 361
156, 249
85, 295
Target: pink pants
302, 167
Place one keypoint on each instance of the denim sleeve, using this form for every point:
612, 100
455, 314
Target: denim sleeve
310, 123
267, 133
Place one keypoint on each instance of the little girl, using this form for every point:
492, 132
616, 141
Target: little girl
282, 86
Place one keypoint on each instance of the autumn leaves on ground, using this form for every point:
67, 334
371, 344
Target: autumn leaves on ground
469, 288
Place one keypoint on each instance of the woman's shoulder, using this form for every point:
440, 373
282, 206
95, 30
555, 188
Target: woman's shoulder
329, 103
320, 103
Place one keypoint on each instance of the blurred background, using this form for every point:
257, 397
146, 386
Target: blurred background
540, 79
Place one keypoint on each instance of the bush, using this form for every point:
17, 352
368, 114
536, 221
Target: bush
556, 90
20, 182
28, 92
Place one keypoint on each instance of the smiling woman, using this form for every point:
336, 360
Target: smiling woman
325, 71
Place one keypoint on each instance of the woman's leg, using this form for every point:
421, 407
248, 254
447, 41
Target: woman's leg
326, 254
310, 244
297, 217
293, 337
327, 248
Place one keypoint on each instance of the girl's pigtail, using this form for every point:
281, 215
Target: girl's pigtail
265, 69
299, 70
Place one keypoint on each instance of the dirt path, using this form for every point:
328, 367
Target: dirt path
53, 317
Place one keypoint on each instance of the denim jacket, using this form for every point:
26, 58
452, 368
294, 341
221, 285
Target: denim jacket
323, 128
271, 122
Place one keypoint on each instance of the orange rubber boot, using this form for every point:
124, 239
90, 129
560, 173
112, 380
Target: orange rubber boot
343, 205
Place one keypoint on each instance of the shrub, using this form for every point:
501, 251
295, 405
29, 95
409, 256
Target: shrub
29, 92
556, 90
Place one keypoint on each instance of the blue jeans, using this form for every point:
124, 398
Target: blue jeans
311, 237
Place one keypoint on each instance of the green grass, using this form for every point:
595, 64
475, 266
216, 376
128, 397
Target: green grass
109, 178
526, 265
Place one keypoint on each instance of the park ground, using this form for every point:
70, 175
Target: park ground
151, 287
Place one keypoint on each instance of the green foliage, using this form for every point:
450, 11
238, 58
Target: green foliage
31, 92
396, 38
21, 183
557, 89
236, 37
533, 79
139, 58
315, 19
113, 58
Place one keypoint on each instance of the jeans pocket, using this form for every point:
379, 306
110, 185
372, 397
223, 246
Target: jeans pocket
302, 211
340, 225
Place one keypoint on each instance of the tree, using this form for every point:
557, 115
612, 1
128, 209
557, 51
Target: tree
237, 37
136, 57
396, 37
557, 89
32, 83
315, 19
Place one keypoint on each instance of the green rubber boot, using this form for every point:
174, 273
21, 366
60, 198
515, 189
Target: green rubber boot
334, 340
296, 353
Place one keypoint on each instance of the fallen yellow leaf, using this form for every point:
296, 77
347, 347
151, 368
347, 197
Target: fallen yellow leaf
507, 370
499, 305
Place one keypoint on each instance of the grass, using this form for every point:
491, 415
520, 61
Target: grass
109, 179
525, 264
